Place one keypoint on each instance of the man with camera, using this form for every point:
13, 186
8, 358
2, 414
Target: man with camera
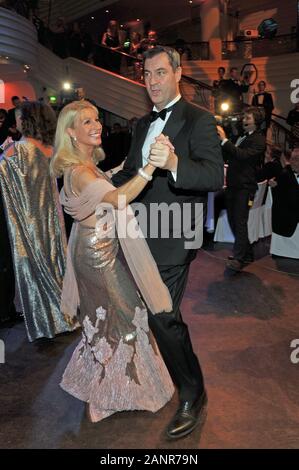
244, 158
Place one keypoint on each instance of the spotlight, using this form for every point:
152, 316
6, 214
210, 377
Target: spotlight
67, 86
224, 107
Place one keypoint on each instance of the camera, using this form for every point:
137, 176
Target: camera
231, 123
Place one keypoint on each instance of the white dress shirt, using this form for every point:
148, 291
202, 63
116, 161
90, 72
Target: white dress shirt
155, 129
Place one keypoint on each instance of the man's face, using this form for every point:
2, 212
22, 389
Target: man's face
248, 122
162, 83
234, 74
261, 87
17, 102
80, 93
221, 73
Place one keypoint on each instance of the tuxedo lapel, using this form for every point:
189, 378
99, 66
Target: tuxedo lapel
141, 133
175, 121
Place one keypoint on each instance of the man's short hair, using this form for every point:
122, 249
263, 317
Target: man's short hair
258, 115
173, 55
13, 98
221, 68
262, 82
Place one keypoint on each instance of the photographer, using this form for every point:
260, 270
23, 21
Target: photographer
244, 158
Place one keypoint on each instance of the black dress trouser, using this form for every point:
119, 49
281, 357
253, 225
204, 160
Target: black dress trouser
173, 338
237, 204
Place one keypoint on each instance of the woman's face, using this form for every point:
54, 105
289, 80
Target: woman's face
87, 129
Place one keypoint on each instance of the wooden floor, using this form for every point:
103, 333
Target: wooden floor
241, 326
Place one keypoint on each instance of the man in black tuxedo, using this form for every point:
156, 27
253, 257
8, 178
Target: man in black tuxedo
12, 113
189, 163
285, 207
232, 90
264, 99
244, 158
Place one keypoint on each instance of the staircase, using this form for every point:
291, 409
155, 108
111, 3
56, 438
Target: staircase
114, 93
278, 72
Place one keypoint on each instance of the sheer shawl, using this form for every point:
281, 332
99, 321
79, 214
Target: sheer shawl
135, 249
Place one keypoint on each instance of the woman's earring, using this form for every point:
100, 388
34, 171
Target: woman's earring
74, 139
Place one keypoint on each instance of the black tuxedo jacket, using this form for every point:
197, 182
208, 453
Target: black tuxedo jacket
233, 91
192, 131
285, 208
267, 104
11, 117
244, 161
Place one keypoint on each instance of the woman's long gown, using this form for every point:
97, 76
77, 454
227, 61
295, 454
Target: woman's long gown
37, 237
117, 365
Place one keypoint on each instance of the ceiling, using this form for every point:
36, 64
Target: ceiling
159, 12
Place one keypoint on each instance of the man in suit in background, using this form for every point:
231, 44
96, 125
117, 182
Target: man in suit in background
264, 99
244, 158
14, 112
189, 164
285, 193
232, 90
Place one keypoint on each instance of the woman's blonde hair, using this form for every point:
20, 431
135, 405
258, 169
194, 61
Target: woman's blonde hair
66, 152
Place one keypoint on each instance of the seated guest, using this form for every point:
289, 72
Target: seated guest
285, 192
244, 158
273, 165
34, 222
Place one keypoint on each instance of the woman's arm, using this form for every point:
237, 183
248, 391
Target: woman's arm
128, 191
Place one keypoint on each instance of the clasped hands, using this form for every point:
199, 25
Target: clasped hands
162, 154
221, 133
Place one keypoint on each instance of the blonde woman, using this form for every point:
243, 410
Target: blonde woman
117, 365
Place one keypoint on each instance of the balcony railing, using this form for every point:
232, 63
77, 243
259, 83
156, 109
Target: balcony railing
193, 50
259, 47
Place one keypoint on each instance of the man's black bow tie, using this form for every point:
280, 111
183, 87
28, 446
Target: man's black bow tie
161, 114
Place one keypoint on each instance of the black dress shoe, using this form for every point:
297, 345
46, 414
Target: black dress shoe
235, 265
187, 417
247, 260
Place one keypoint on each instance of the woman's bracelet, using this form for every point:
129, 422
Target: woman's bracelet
144, 175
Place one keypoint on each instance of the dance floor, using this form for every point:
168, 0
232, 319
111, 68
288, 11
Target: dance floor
242, 327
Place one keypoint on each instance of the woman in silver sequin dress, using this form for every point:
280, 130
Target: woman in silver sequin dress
35, 222
117, 365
